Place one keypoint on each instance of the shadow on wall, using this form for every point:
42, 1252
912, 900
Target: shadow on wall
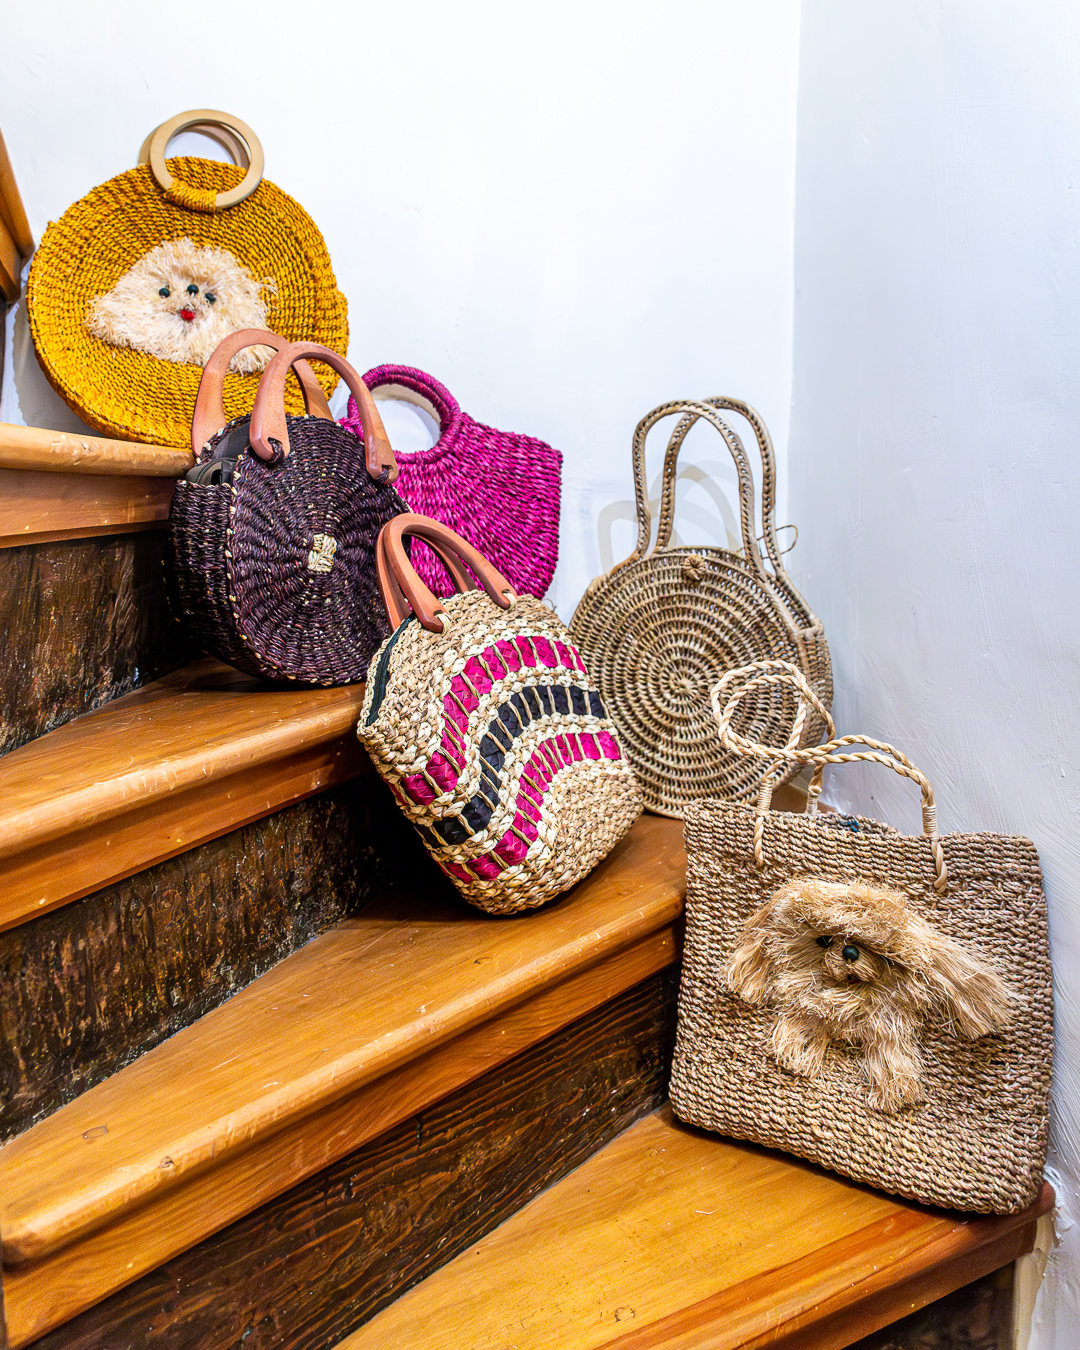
28, 397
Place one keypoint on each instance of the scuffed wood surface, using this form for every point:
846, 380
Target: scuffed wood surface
674, 1239
38, 507
63, 452
86, 990
83, 623
160, 770
375, 992
51, 1291
300, 1272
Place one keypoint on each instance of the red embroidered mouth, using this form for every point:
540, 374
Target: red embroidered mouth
187, 315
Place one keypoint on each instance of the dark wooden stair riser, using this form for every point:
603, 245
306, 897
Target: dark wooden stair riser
85, 621
304, 1270
87, 988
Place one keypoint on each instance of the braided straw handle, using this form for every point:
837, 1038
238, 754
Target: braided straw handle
691, 412
737, 684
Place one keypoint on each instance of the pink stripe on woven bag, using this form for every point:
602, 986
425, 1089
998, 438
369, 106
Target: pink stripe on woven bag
500, 490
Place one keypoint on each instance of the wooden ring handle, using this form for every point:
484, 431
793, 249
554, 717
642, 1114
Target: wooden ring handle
210, 415
402, 590
232, 133
269, 428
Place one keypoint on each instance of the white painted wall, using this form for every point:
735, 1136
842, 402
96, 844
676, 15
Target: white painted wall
568, 212
934, 464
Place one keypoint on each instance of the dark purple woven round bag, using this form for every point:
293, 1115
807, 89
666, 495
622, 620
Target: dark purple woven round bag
498, 489
273, 533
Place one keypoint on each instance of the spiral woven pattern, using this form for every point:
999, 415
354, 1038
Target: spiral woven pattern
978, 1141
129, 394
497, 489
499, 750
659, 631
275, 572
656, 642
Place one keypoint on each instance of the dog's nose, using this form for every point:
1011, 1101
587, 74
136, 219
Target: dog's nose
850, 953
187, 315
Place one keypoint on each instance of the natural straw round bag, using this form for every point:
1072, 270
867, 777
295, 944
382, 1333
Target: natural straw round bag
661, 628
115, 278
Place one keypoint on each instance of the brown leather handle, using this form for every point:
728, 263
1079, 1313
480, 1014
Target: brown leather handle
268, 419
210, 415
403, 591
460, 576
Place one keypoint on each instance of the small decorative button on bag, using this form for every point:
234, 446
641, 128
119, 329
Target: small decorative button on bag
878, 1003
659, 630
498, 489
273, 533
482, 718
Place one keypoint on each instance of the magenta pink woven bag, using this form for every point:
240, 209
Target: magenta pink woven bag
497, 489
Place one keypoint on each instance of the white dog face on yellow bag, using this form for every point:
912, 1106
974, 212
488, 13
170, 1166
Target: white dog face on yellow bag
850, 963
179, 301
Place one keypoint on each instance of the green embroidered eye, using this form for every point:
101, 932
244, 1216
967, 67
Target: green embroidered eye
850, 953
193, 289
210, 298
164, 292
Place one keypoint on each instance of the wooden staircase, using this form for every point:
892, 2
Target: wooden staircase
266, 1081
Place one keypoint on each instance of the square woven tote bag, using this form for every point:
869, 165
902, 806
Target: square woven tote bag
875, 1002
481, 716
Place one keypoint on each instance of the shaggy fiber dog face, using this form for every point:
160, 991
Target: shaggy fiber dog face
179, 301
850, 963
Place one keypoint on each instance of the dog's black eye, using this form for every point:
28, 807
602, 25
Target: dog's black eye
209, 298
164, 292
850, 953
193, 289
824, 941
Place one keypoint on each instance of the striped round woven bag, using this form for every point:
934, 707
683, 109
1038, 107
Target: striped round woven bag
131, 289
660, 629
273, 534
480, 715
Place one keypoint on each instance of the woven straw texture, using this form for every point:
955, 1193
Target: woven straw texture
497, 489
129, 394
274, 572
659, 630
498, 749
978, 1139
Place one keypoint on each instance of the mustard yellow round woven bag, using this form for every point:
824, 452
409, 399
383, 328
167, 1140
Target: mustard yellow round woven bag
135, 285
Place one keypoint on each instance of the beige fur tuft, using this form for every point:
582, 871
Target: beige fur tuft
904, 972
135, 313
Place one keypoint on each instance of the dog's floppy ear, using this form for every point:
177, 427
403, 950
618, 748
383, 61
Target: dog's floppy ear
970, 993
748, 971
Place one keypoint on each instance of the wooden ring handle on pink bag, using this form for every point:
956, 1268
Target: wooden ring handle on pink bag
210, 415
269, 429
402, 590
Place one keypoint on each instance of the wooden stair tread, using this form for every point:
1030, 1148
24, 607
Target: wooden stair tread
671, 1237
134, 759
365, 998
41, 450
